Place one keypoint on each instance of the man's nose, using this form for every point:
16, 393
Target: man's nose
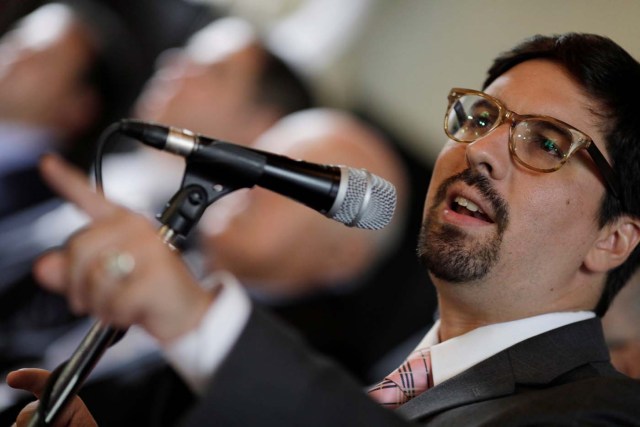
490, 153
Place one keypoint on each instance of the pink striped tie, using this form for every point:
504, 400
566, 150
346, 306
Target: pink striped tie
409, 380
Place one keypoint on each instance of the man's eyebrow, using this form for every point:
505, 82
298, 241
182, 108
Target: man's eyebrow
483, 103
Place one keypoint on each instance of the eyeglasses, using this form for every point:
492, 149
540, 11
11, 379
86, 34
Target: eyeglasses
539, 143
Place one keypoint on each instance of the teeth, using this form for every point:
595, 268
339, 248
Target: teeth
467, 204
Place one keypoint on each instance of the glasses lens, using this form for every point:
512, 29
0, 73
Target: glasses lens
541, 144
471, 117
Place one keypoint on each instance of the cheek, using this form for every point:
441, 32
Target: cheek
557, 219
450, 161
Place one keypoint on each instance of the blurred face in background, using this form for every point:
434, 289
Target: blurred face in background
281, 248
209, 85
44, 63
621, 326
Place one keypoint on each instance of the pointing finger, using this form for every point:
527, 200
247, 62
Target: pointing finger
72, 184
32, 380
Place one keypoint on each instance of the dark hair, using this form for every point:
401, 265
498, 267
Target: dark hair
610, 75
114, 71
279, 85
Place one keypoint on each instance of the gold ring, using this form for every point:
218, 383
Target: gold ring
119, 264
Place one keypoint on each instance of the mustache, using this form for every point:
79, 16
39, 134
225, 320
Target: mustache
486, 190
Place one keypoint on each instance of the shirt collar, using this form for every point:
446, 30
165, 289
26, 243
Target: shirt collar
453, 356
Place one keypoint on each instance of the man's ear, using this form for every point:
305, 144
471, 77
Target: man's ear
615, 243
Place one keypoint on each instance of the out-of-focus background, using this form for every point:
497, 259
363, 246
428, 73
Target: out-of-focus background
68, 70
398, 59
393, 59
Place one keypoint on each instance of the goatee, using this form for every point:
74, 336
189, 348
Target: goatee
448, 251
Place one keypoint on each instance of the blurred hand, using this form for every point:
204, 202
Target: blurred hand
117, 268
75, 414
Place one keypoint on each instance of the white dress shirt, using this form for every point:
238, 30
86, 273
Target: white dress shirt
456, 355
197, 355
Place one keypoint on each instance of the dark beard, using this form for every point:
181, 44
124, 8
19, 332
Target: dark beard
447, 251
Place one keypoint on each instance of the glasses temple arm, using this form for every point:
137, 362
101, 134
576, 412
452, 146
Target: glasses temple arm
605, 169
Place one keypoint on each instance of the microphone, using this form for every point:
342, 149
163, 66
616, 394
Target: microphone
354, 197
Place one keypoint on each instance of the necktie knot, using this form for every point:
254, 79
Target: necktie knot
412, 378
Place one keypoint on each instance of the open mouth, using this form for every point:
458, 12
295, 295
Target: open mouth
464, 206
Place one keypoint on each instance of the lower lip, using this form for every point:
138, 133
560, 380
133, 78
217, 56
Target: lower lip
453, 217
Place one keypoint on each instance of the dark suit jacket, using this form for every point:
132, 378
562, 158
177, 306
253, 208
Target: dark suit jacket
562, 377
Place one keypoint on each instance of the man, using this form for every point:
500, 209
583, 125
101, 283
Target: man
324, 280
260, 241
48, 99
222, 83
57, 76
622, 329
527, 235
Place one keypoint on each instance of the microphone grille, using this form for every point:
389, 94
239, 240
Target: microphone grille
369, 201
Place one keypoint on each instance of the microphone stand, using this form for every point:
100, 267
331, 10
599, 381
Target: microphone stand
181, 213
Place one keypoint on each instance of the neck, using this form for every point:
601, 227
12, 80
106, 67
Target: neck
467, 306
458, 316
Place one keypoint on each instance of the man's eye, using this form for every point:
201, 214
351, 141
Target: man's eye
550, 147
481, 120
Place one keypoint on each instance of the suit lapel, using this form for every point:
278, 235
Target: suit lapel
489, 379
537, 360
543, 358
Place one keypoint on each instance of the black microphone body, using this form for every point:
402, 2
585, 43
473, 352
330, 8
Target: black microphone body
351, 196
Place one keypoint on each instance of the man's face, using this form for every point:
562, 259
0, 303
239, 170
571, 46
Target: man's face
622, 328
533, 229
207, 87
43, 62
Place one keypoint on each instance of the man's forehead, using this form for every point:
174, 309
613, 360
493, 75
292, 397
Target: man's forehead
43, 27
220, 39
543, 87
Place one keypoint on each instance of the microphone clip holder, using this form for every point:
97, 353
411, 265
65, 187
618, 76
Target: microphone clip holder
197, 192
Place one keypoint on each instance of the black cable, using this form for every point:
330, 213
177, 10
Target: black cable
105, 137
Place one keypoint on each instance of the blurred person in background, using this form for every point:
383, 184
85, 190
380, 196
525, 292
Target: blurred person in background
67, 69
222, 83
59, 69
329, 282
622, 329
260, 243
56, 84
